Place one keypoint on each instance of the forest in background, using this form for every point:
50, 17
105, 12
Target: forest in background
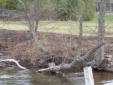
56, 9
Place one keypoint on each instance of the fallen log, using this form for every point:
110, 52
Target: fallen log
14, 61
74, 62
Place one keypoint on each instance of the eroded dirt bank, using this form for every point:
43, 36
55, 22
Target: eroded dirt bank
53, 47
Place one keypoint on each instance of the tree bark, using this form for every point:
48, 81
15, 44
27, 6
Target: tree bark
80, 30
101, 31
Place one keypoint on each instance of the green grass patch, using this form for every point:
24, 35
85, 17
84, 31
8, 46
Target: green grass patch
67, 27
108, 19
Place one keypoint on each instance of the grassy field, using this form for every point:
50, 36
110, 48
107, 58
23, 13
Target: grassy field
68, 27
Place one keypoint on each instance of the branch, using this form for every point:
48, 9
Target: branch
15, 61
50, 68
25, 11
22, 4
92, 51
56, 68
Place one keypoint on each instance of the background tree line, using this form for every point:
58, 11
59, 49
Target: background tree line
56, 9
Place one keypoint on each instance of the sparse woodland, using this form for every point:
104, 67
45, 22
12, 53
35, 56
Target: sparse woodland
58, 52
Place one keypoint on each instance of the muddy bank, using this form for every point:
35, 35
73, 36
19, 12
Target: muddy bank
53, 47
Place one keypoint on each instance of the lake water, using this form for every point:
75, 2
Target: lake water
26, 77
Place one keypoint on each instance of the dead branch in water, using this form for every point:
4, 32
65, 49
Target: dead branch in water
14, 61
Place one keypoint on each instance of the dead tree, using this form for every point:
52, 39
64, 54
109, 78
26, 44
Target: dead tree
101, 29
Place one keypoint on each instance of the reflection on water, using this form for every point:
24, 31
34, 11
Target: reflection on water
26, 77
12, 77
110, 82
103, 78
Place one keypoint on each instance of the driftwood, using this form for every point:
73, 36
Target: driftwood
74, 62
14, 61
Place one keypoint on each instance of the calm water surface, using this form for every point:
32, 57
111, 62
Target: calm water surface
26, 77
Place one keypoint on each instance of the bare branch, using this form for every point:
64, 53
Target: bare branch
15, 61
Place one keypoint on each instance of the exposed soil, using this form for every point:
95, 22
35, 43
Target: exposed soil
53, 47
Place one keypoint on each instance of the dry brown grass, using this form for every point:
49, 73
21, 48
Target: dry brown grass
52, 45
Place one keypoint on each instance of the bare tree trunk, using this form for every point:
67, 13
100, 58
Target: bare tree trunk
80, 29
36, 26
101, 30
31, 19
32, 27
35, 37
37, 17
